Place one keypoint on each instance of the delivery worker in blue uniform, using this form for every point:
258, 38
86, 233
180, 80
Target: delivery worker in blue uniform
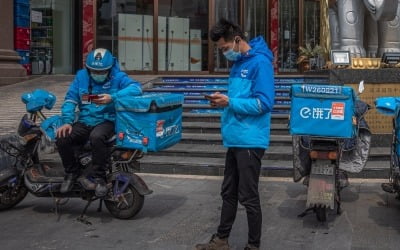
245, 128
92, 94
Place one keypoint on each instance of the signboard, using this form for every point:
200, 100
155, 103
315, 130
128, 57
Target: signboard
36, 16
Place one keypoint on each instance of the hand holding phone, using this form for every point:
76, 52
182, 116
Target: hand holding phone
93, 97
217, 99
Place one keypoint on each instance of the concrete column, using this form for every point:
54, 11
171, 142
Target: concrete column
10, 70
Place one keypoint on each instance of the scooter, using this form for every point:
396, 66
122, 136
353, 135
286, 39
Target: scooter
391, 106
323, 163
22, 171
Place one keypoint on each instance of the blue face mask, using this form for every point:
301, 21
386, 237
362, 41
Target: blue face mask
232, 55
99, 78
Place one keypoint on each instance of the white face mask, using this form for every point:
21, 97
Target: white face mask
99, 78
232, 55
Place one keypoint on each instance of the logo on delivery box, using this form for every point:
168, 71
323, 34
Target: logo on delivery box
336, 112
162, 131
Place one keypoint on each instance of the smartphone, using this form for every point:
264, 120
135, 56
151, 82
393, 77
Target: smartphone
94, 97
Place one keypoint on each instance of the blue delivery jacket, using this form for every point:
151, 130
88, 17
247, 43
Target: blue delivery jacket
117, 85
246, 121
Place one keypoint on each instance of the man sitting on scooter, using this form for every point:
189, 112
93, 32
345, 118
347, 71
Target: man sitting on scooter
93, 91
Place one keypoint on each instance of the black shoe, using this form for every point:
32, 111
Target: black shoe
101, 187
251, 247
388, 187
68, 182
215, 243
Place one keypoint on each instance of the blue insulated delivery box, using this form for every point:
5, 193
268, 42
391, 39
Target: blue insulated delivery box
150, 122
322, 110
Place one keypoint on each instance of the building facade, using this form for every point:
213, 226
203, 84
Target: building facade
164, 36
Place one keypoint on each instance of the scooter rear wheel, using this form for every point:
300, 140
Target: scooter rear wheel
11, 197
127, 204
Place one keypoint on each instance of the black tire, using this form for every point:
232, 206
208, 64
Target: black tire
122, 211
320, 212
11, 198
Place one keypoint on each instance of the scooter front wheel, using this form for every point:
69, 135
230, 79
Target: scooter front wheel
125, 205
10, 197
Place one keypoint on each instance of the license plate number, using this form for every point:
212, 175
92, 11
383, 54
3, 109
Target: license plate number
322, 170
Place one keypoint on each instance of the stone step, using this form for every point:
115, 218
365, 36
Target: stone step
273, 152
216, 117
200, 97
189, 85
210, 139
215, 166
215, 127
187, 92
189, 107
209, 79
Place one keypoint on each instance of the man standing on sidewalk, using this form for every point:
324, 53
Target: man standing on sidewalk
245, 128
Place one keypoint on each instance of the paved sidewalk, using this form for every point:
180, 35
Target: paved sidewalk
184, 210
12, 108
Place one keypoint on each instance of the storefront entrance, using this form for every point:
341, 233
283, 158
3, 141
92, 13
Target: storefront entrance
52, 48
171, 36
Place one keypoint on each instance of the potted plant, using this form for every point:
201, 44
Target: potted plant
308, 55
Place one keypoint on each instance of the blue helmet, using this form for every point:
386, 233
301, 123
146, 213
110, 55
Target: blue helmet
99, 59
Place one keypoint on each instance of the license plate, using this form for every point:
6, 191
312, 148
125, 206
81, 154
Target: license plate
322, 169
321, 191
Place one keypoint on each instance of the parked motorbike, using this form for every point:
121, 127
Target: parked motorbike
391, 106
324, 161
22, 171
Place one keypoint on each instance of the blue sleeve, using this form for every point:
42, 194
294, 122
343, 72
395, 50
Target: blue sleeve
71, 101
262, 100
128, 87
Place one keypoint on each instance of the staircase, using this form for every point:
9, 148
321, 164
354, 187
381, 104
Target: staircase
201, 152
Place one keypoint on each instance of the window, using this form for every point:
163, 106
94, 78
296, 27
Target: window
288, 35
255, 18
311, 22
125, 27
182, 32
228, 9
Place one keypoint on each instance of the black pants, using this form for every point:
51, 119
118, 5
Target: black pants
241, 177
81, 133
